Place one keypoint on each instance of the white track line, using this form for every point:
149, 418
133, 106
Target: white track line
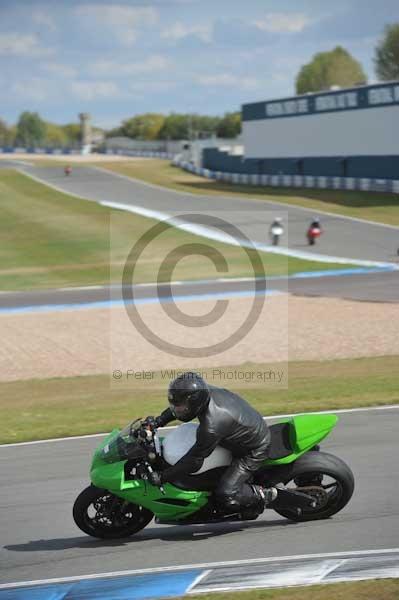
320, 412
214, 565
53, 186
197, 580
330, 569
25, 163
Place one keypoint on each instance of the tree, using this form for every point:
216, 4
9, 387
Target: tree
144, 127
6, 134
386, 57
72, 132
116, 132
56, 135
326, 69
188, 126
31, 130
230, 125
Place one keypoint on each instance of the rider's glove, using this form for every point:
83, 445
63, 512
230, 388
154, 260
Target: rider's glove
155, 478
150, 423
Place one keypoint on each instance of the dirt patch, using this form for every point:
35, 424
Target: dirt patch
95, 341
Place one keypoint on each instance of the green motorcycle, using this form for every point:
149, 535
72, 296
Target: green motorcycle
121, 500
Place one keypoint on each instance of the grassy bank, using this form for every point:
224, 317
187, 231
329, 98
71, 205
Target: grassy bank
50, 239
59, 407
383, 589
374, 206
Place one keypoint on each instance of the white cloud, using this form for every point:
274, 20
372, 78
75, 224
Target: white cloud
42, 18
59, 69
179, 31
116, 68
283, 22
15, 44
228, 80
34, 90
124, 22
151, 86
94, 90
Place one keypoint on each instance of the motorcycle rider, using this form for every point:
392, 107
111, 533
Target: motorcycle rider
314, 230
225, 419
276, 230
315, 224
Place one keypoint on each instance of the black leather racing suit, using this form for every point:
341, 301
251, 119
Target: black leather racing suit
229, 421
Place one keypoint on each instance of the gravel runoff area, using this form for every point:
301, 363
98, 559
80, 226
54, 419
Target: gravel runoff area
99, 340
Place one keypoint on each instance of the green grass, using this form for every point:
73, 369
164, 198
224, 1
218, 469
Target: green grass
383, 589
50, 239
58, 407
374, 206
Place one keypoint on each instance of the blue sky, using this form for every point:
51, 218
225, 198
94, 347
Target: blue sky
115, 59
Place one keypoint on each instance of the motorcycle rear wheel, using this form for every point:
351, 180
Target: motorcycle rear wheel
318, 469
100, 514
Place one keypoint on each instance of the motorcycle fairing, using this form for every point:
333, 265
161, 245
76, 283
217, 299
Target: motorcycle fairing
298, 434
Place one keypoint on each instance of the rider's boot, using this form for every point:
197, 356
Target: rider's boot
261, 499
265, 495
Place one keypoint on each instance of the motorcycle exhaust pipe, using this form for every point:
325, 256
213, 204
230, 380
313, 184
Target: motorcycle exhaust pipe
292, 499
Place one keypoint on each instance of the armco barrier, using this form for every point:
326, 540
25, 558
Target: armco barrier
34, 150
390, 186
146, 154
143, 153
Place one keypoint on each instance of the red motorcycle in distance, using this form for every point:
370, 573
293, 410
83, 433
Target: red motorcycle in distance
315, 230
68, 170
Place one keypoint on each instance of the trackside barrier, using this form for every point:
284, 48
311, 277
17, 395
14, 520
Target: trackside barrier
143, 153
146, 154
37, 150
390, 186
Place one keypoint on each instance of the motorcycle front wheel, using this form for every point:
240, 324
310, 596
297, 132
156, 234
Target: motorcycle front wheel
100, 514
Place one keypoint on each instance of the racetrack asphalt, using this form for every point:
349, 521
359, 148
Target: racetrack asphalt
40, 483
374, 287
343, 237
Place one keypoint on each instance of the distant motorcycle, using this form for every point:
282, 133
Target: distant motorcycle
276, 231
121, 500
314, 232
68, 170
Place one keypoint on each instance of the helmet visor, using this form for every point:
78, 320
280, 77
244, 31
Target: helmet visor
181, 411
181, 404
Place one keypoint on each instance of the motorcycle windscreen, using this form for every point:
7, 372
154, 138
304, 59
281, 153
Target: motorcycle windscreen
124, 446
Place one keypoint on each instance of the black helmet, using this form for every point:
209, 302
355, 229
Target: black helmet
188, 394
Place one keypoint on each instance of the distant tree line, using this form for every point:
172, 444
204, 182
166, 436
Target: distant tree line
32, 130
176, 126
